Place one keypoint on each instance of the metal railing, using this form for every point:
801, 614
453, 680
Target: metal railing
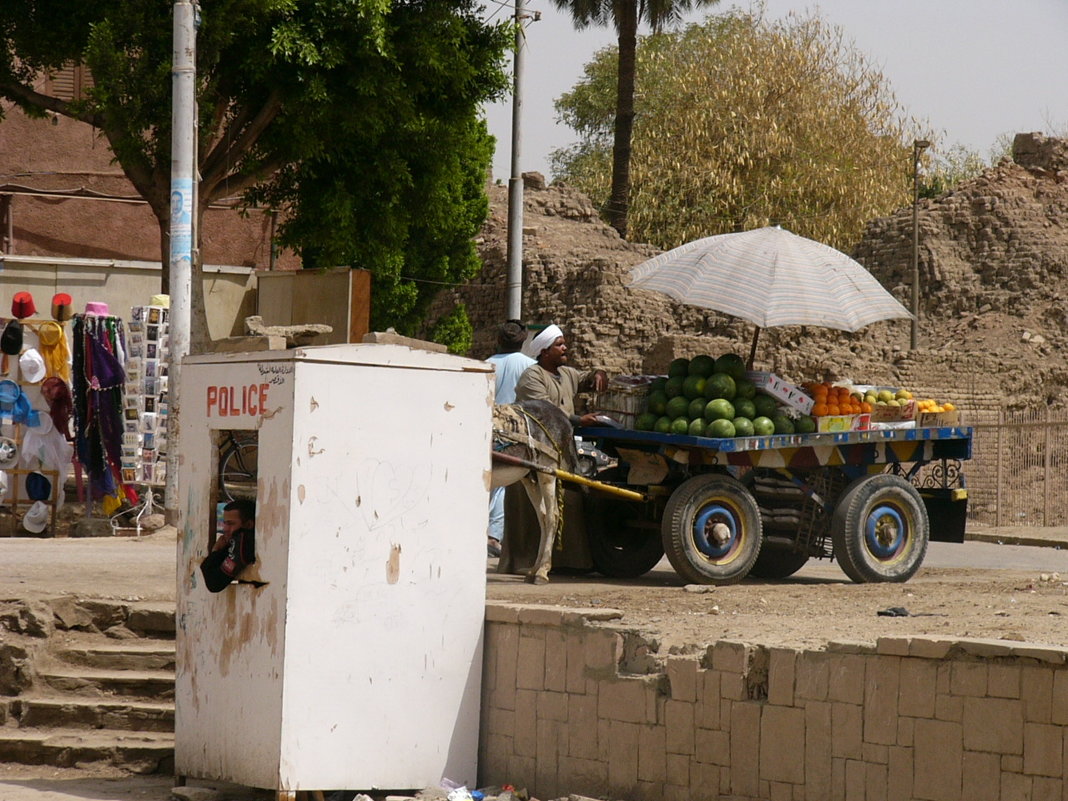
1018, 475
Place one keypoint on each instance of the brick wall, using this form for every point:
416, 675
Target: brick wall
573, 702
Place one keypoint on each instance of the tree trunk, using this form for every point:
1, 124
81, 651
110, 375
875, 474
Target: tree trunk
619, 200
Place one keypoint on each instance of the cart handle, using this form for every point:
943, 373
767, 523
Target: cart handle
564, 475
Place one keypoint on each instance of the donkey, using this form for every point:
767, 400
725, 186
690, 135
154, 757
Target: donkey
538, 432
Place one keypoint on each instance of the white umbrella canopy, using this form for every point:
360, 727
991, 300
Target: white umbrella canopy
770, 277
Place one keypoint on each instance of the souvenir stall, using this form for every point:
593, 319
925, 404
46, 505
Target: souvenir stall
100, 416
144, 447
35, 408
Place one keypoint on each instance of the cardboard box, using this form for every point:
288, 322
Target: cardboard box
893, 414
781, 390
843, 422
938, 419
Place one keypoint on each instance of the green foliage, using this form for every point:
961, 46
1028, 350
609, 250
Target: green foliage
401, 190
945, 170
455, 330
359, 118
741, 122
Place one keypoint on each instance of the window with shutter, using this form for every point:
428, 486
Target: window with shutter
71, 82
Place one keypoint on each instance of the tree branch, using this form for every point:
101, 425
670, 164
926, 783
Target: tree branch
13, 90
230, 148
236, 183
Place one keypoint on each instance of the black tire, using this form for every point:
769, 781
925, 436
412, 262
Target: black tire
238, 471
692, 510
777, 562
624, 542
880, 529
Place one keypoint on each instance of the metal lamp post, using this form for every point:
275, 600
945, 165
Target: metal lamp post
918, 146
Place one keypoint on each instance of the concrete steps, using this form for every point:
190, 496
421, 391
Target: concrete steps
138, 752
96, 682
97, 699
42, 711
127, 655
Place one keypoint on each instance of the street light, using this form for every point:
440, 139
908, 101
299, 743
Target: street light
918, 146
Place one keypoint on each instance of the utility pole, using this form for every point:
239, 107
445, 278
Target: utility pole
183, 219
918, 146
515, 182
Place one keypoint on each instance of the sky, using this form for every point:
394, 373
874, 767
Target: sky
973, 69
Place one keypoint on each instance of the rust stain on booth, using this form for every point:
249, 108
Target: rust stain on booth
393, 565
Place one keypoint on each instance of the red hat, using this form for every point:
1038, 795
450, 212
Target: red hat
22, 305
62, 307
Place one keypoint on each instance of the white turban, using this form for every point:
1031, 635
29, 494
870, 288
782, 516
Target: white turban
542, 340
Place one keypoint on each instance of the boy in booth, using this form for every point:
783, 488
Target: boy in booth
235, 549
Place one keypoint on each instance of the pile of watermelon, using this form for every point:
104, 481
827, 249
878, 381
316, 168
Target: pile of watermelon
711, 397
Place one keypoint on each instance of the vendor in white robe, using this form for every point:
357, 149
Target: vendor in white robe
549, 379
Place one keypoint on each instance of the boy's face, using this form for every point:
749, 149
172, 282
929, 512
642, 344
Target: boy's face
231, 521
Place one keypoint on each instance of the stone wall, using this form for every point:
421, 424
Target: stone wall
573, 702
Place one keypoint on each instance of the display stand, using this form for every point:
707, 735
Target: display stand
17, 475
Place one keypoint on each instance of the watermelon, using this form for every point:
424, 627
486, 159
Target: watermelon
719, 409
743, 427
702, 366
679, 368
720, 428
719, 385
762, 426
731, 364
766, 406
693, 386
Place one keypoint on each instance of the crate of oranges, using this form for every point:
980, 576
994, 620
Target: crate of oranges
838, 408
931, 414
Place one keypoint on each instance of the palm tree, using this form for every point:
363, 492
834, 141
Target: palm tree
625, 16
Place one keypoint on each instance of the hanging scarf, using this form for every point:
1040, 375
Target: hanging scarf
60, 404
99, 379
15, 406
54, 350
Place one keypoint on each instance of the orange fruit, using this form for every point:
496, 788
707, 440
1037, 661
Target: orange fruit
833, 409
949, 407
865, 407
819, 409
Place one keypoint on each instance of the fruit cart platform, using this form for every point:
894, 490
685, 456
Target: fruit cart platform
801, 450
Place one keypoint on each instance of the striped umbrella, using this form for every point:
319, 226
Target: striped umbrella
770, 277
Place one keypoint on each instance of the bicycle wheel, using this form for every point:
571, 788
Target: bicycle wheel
237, 470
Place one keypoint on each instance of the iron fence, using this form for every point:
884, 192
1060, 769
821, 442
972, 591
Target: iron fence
1017, 474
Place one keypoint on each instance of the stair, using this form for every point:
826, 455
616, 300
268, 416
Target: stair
98, 700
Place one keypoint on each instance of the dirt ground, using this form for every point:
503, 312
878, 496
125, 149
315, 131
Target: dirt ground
971, 590
1004, 591
1026, 601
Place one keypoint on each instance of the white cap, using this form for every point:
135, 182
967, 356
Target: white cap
36, 519
31, 366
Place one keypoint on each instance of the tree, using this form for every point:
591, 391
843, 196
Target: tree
277, 81
743, 123
420, 199
625, 16
945, 170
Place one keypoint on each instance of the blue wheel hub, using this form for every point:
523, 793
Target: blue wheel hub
703, 525
885, 532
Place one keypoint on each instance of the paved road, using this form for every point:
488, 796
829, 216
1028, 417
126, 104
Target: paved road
143, 569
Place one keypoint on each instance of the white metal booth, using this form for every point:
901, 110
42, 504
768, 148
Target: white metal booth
350, 654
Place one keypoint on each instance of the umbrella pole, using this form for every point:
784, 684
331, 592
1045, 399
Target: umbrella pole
752, 350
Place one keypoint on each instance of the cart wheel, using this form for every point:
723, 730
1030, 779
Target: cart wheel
880, 529
624, 542
701, 508
777, 562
